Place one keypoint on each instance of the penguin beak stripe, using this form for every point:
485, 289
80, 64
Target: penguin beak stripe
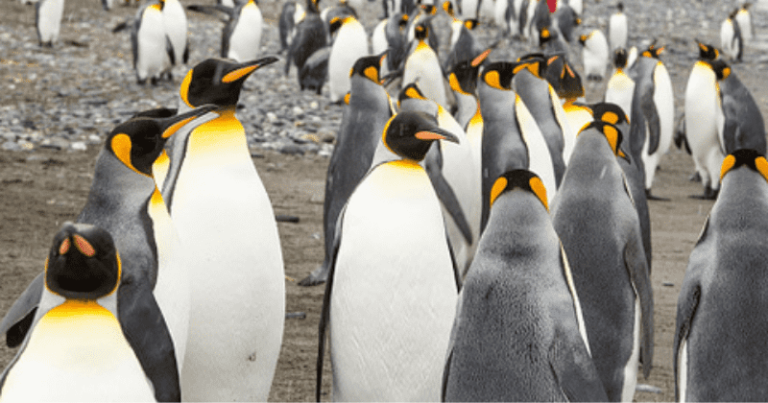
84, 246
498, 188
64, 248
426, 135
481, 58
728, 164
238, 74
551, 60
539, 190
171, 130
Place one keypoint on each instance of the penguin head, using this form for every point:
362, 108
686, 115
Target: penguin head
410, 91
448, 8
422, 32
745, 156
620, 58
733, 13
471, 23
218, 81
583, 39
745, 7
428, 9
338, 22
139, 141
369, 67
536, 63
653, 50
463, 76
403, 21
568, 83
611, 113
720, 67
499, 75
519, 179
620, 6
313, 6
409, 134
612, 135
707, 52
545, 35
83, 263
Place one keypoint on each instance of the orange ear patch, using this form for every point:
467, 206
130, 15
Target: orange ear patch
84, 246
539, 190
728, 164
426, 135
762, 166
498, 188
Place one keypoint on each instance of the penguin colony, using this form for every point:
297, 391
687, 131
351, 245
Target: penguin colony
487, 233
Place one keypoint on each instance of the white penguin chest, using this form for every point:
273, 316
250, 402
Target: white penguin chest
351, 44
77, 352
702, 109
245, 41
49, 19
152, 55
175, 22
423, 66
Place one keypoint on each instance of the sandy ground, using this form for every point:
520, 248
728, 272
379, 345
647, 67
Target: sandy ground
42, 189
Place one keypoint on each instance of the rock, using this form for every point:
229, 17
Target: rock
292, 149
11, 146
78, 146
326, 136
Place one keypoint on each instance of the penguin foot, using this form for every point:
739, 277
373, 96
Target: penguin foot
317, 277
709, 194
650, 196
695, 177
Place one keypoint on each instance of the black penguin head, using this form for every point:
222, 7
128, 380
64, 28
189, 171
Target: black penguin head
653, 50
583, 39
707, 52
620, 58
410, 91
218, 81
421, 31
536, 63
448, 8
83, 263
746, 6
428, 9
545, 35
520, 179
139, 141
336, 23
403, 21
499, 75
369, 67
612, 135
609, 113
463, 77
409, 134
471, 23
720, 67
567, 84
313, 6
745, 156
733, 13
620, 6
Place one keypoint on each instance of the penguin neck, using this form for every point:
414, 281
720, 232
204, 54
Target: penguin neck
218, 141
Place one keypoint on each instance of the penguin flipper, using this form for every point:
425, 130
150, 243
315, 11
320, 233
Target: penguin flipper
147, 333
325, 313
18, 320
185, 56
433, 162
637, 267
574, 369
652, 121
731, 136
169, 50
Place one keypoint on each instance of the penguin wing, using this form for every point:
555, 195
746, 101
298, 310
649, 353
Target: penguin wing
169, 50
135, 41
451, 342
574, 369
185, 57
325, 313
147, 333
18, 320
433, 162
637, 266
653, 124
680, 136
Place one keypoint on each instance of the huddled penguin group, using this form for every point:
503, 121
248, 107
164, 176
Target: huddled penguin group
487, 230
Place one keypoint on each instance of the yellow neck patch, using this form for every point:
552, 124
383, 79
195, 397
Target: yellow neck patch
728, 164
413, 93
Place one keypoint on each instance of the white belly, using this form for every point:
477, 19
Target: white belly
682, 370
77, 358
617, 31
745, 25
152, 56
351, 44
175, 22
224, 217
596, 55
423, 67
245, 41
469, 9
486, 10
726, 39
379, 38
49, 19
620, 90
664, 101
394, 294
539, 158
701, 124
630, 370
500, 13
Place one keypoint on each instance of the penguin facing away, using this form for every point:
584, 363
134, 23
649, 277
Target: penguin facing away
621, 88
211, 169
362, 121
744, 20
77, 344
404, 307
519, 334
720, 325
314, 74
610, 271
48, 14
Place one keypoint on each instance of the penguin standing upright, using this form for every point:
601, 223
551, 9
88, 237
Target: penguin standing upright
744, 20
704, 116
235, 256
464, 45
175, 24
241, 38
287, 22
743, 126
730, 37
351, 43
610, 270
595, 54
617, 28
423, 66
152, 48
519, 332
621, 88
309, 37
362, 121
721, 324
48, 15
391, 295
77, 345
565, 20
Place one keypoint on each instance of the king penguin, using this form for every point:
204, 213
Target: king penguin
310, 36
617, 28
362, 122
423, 66
287, 22
77, 345
621, 88
241, 38
730, 37
464, 45
351, 43
152, 48
704, 116
175, 24
744, 19
721, 324
743, 126
48, 15
610, 271
392, 295
154, 296
595, 54
241, 267
519, 333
